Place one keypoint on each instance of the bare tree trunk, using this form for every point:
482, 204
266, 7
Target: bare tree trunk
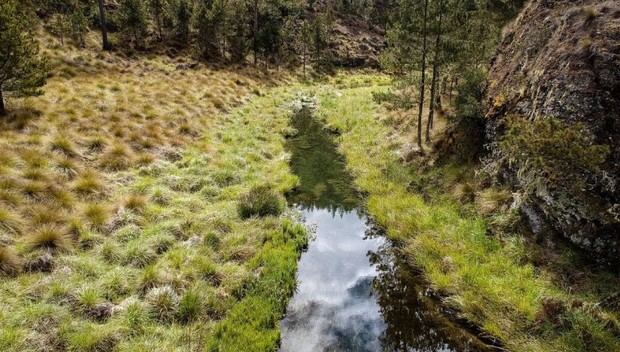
432, 105
104, 30
305, 54
2, 108
255, 34
451, 90
423, 75
159, 24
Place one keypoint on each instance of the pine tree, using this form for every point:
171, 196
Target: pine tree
22, 71
182, 18
210, 22
104, 26
133, 19
157, 8
79, 23
438, 52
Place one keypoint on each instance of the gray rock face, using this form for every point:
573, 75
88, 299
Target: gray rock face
561, 59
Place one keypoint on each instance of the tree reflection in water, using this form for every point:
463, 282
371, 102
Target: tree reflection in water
414, 321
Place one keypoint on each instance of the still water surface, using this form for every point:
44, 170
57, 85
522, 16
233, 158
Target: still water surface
354, 292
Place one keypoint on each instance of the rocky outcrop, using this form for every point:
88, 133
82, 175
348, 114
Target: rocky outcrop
356, 43
561, 59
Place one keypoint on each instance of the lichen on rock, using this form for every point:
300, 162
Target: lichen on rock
560, 60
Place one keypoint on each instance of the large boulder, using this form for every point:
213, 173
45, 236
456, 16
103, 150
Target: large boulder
561, 59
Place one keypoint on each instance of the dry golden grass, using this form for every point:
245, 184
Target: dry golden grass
108, 184
103, 113
9, 261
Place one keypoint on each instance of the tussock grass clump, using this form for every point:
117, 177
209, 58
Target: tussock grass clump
110, 252
88, 182
489, 200
135, 202
150, 278
68, 167
10, 264
207, 270
138, 254
87, 298
35, 189
33, 158
136, 317
63, 145
45, 215
97, 214
9, 222
53, 238
116, 157
190, 307
260, 201
96, 143
92, 337
163, 303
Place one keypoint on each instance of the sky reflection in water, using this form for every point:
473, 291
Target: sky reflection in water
355, 293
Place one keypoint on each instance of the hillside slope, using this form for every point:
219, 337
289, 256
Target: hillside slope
560, 61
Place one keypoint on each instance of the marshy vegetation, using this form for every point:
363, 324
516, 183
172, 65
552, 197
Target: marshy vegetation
145, 167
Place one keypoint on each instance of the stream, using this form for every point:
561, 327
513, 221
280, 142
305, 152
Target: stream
355, 292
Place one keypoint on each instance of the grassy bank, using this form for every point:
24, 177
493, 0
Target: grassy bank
120, 226
488, 280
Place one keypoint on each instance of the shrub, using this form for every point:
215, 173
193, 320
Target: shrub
260, 201
470, 94
549, 154
10, 263
51, 238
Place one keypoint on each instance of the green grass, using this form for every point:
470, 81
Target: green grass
489, 281
153, 255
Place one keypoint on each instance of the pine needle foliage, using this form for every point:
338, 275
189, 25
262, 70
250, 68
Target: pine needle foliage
22, 71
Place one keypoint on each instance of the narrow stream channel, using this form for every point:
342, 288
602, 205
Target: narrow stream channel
354, 292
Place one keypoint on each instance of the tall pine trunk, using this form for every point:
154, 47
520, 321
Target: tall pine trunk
159, 24
255, 34
432, 105
104, 29
2, 108
423, 77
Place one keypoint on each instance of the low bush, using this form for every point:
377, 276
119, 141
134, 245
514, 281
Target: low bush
260, 201
548, 153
